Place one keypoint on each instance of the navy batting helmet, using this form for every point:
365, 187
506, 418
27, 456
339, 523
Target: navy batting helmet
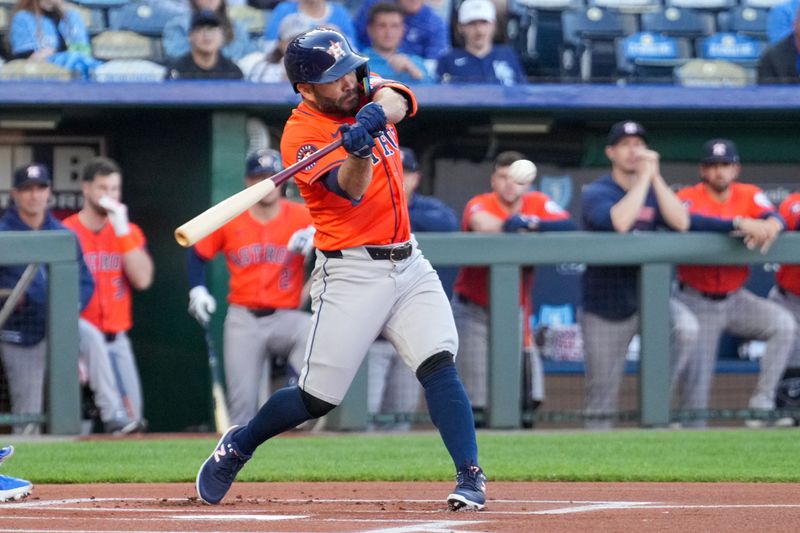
264, 161
322, 55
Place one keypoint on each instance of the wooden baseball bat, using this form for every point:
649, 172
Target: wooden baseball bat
222, 420
224, 211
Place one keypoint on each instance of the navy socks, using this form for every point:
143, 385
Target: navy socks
451, 413
283, 411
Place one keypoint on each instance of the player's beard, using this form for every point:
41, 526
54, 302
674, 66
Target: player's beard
717, 187
344, 106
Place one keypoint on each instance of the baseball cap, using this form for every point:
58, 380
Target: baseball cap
472, 10
204, 17
409, 159
31, 174
293, 25
719, 151
625, 128
264, 161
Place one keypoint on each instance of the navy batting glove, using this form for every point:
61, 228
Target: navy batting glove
516, 223
372, 117
357, 140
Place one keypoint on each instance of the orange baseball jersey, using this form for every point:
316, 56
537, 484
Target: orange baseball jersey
471, 282
381, 216
745, 200
788, 276
110, 307
263, 272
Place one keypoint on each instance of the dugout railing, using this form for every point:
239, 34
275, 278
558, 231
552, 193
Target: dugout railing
57, 251
655, 254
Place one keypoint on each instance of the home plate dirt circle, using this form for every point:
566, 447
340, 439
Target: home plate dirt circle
407, 507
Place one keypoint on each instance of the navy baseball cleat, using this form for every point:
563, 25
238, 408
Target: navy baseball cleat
12, 488
218, 471
470, 491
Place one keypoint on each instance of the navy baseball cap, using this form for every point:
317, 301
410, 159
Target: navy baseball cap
204, 17
719, 151
625, 128
409, 159
264, 161
32, 174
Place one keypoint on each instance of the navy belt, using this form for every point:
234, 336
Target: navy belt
396, 253
261, 312
110, 337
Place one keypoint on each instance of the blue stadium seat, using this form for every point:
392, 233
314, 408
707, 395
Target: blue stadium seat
651, 57
745, 21
679, 22
629, 6
147, 17
589, 42
740, 49
705, 5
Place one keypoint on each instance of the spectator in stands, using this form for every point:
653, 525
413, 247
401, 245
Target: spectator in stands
480, 61
426, 35
268, 68
512, 209
786, 293
716, 294
236, 38
318, 13
386, 29
392, 388
780, 63
205, 60
23, 345
47, 30
780, 20
116, 254
634, 197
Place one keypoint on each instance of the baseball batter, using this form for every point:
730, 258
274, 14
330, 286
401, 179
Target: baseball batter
508, 208
370, 278
263, 321
716, 294
115, 252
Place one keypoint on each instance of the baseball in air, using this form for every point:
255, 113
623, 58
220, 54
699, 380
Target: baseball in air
522, 172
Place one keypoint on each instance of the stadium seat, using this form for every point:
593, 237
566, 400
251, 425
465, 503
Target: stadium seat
129, 70
745, 21
628, 6
92, 18
712, 73
651, 57
124, 44
706, 5
679, 22
254, 19
589, 50
147, 17
762, 4
732, 47
24, 69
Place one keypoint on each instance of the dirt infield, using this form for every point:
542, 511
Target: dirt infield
408, 507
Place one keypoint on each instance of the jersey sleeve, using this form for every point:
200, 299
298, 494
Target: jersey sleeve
377, 83
473, 206
790, 211
208, 247
301, 139
596, 209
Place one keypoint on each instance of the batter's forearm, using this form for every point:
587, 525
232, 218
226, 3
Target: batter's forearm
355, 175
393, 103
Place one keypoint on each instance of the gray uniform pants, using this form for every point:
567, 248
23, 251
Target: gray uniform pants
790, 302
472, 323
25, 368
251, 343
112, 374
746, 315
391, 386
605, 347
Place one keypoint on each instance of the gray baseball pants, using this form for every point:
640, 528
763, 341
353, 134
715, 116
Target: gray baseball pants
746, 315
605, 345
25, 368
790, 302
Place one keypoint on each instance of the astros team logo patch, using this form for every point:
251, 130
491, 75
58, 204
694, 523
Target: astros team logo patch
305, 151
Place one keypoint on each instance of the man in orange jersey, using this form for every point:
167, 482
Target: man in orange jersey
370, 278
114, 250
264, 320
716, 294
786, 292
510, 208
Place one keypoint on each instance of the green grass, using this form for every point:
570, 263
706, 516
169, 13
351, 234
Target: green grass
713, 455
